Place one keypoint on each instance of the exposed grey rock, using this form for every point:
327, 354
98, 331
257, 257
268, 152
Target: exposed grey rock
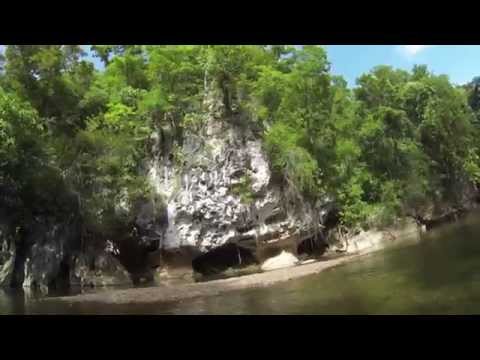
151, 220
204, 209
7, 256
375, 239
42, 266
101, 269
6, 270
282, 260
48, 246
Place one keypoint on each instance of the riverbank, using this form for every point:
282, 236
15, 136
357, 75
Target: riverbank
166, 293
438, 275
170, 293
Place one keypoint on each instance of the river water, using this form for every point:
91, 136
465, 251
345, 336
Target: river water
439, 275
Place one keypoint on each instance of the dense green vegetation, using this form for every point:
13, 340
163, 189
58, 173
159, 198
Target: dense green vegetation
398, 141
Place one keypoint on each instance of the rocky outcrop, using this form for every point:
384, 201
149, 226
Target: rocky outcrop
464, 200
374, 239
7, 245
46, 251
7, 256
224, 192
284, 259
6, 268
150, 222
213, 187
431, 221
101, 269
218, 189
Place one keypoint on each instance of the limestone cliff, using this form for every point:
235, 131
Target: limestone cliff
223, 192
213, 187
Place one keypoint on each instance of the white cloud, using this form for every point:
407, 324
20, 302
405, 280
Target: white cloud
412, 50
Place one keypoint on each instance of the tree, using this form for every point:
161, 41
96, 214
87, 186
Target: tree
232, 69
399, 141
106, 52
176, 77
43, 75
473, 91
448, 136
381, 87
20, 134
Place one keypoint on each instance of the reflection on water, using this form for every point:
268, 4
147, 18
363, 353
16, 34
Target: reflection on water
440, 275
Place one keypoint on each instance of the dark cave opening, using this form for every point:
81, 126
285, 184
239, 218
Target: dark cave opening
134, 258
21, 249
63, 279
222, 258
332, 219
312, 246
61, 282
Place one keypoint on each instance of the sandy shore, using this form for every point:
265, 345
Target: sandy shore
165, 293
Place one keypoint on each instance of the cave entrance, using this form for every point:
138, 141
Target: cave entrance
132, 256
62, 281
220, 259
332, 219
312, 246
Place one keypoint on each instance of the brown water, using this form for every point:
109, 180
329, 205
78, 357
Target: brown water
439, 275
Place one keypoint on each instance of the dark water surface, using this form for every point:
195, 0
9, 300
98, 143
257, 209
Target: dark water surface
439, 275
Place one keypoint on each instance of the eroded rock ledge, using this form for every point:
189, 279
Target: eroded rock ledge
363, 244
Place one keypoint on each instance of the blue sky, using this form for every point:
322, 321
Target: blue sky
460, 62
95, 60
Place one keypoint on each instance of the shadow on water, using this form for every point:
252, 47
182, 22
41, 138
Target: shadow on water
439, 275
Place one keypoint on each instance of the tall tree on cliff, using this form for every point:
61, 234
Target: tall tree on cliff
53, 78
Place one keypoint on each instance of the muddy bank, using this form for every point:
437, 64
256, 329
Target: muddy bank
166, 293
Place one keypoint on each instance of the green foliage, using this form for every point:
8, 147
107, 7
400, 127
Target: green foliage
243, 189
403, 140
472, 165
381, 87
193, 121
178, 156
20, 135
354, 209
268, 92
53, 78
103, 167
396, 142
282, 142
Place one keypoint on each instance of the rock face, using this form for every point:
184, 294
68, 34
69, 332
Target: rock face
48, 253
45, 253
365, 240
7, 246
373, 239
50, 257
284, 259
223, 192
150, 221
213, 188
7, 257
102, 269
6, 269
